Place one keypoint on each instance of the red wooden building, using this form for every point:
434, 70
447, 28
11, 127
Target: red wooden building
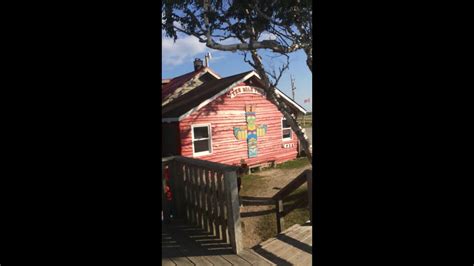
225, 120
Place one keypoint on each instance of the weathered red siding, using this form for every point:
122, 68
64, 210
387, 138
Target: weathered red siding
224, 114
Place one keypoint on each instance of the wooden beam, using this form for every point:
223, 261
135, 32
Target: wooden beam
279, 215
292, 186
206, 164
164, 203
179, 188
309, 176
233, 211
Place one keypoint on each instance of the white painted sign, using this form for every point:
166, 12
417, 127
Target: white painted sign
245, 89
288, 145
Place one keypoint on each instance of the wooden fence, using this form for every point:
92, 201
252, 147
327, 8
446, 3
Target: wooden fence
305, 177
205, 194
305, 120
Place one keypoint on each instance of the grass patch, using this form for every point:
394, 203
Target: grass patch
267, 225
293, 164
250, 184
301, 214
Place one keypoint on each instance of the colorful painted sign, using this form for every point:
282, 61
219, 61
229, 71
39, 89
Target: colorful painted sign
251, 131
243, 90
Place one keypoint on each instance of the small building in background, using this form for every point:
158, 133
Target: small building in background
225, 120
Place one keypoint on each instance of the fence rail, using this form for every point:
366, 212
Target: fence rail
206, 195
281, 212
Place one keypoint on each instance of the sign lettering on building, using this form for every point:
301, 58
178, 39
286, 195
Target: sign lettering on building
245, 90
288, 145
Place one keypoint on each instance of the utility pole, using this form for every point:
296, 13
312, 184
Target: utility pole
293, 88
207, 57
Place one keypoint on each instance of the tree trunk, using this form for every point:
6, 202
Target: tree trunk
309, 58
282, 107
268, 87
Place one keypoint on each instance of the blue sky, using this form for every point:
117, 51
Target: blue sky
178, 57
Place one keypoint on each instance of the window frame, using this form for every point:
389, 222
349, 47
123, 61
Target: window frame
209, 131
283, 128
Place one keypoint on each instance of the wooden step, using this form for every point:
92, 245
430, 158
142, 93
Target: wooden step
280, 245
290, 229
293, 245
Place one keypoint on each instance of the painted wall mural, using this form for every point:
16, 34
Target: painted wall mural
250, 132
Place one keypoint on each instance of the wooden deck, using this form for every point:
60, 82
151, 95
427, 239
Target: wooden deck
182, 244
291, 247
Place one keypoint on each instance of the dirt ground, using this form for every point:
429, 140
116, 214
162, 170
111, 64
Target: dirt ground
272, 181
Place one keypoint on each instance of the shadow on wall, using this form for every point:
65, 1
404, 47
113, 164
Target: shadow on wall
209, 109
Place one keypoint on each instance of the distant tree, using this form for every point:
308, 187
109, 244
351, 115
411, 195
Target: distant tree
245, 22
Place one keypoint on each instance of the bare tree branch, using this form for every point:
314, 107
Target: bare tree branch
265, 44
276, 77
290, 38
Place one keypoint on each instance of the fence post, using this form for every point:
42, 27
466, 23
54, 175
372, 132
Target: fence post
309, 176
164, 205
279, 211
178, 190
233, 210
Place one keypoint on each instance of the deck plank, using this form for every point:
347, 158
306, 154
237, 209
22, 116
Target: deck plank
187, 245
277, 247
181, 261
217, 260
235, 260
191, 250
292, 247
296, 254
253, 258
167, 262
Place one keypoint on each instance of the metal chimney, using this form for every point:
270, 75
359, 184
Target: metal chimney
197, 64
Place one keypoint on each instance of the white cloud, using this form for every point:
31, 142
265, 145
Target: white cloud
186, 48
217, 57
231, 40
182, 51
267, 36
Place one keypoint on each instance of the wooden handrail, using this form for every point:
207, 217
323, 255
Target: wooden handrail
206, 194
298, 204
304, 177
292, 186
167, 159
206, 164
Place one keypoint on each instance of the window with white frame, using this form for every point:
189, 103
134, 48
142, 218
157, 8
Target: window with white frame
285, 129
201, 135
